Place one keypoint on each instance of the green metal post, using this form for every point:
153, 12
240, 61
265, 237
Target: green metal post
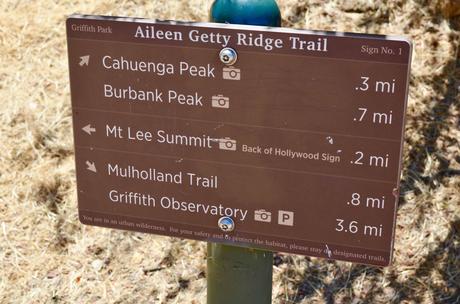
238, 275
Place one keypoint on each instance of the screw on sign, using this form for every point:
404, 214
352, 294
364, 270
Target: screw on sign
183, 146
250, 278
226, 224
228, 56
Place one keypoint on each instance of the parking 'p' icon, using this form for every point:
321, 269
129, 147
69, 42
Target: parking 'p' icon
286, 218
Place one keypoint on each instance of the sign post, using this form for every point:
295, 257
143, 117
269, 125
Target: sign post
237, 274
276, 139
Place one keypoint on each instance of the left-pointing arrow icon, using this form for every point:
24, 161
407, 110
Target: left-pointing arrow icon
91, 166
88, 129
84, 60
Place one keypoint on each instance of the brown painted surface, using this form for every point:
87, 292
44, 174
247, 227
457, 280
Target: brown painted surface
314, 138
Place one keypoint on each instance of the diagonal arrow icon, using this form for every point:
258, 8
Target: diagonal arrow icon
88, 129
84, 60
91, 166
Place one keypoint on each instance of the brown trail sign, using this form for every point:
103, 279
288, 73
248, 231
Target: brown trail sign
299, 143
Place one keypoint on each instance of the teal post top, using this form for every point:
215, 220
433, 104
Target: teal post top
254, 12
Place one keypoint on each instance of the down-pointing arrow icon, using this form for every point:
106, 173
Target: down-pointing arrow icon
88, 129
91, 166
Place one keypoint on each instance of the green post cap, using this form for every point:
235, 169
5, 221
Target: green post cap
254, 12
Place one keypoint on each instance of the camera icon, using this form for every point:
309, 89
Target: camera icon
220, 101
227, 144
262, 216
231, 73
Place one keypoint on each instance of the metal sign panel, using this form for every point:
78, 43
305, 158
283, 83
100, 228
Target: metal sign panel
295, 148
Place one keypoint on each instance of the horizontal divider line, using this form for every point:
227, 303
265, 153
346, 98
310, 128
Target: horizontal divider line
218, 48
236, 124
235, 165
248, 232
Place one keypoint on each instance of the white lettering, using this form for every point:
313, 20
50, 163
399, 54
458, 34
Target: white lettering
259, 40
203, 141
213, 38
150, 32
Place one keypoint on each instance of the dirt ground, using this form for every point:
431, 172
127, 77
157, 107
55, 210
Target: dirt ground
47, 256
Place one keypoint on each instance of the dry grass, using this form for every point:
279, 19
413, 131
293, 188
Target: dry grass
46, 256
